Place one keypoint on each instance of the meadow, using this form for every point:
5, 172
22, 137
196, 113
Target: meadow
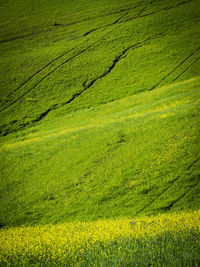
99, 132
165, 240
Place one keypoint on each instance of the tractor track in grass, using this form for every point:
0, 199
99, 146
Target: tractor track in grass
136, 16
47, 75
181, 197
85, 85
163, 9
54, 29
52, 71
103, 27
56, 59
116, 60
77, 94
38, 71
119, 57
118, 20
174, 69
55, 106
65, 53
186, 69
71, 24
60, 56
88, 125
168, 187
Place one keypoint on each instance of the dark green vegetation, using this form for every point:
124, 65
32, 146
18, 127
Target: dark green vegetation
99, 109
166, 249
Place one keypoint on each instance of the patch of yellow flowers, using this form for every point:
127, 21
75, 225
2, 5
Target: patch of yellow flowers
68, 243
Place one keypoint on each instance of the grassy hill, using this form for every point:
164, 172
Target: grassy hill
137, 155
99, 109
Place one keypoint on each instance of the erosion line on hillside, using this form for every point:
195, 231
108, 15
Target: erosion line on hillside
93, 81
168, 187
116, 60
63, 63
44, 114
44, 78
67, 52
54, 60
179, 65
22, 126
58, 68
186, 69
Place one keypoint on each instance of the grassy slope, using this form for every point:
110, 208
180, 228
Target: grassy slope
87, 158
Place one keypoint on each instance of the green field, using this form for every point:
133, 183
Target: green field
99, 112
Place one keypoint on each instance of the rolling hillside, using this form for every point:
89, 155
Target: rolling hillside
99, 110
99, 133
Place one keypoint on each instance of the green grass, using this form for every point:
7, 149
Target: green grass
99, 131
99, 111
33, 42
138, 155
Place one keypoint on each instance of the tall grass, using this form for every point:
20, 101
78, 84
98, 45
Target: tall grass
163, 240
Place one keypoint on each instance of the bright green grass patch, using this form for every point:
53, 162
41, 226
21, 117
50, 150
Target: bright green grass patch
163, 240
138, 155
87, 129
99, 50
